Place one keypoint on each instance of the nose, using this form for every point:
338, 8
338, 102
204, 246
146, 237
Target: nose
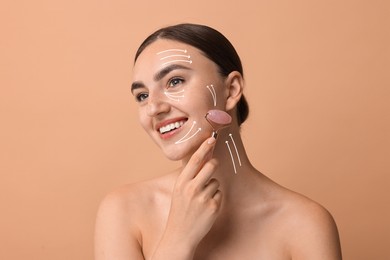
157, 105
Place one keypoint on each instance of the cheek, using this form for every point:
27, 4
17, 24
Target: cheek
198, 102
209, 96
143, 119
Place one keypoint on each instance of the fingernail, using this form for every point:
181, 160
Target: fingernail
211, 140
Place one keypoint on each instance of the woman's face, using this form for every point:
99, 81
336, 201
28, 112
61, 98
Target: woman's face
175, 85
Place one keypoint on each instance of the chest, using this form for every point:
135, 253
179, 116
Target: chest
242, 242
228, 241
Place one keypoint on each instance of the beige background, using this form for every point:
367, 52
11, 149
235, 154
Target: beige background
318, 83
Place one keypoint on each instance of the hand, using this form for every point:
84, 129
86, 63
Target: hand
195, 200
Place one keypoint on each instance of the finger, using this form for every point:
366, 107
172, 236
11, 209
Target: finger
198, 159
206, 172
218, 196
217, 200
211, 188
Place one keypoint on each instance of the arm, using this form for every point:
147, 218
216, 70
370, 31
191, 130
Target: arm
115, 237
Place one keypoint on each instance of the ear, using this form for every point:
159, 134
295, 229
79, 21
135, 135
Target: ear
235, 86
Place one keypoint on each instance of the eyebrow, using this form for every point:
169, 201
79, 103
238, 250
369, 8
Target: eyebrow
159, 75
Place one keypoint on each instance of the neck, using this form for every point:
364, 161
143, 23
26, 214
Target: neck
230, 153
235, 172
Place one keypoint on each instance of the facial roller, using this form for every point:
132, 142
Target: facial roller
218, 119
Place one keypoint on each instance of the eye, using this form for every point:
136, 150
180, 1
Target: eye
141, 97
174, 82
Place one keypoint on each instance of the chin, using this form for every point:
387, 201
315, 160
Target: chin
174, 157
176, 152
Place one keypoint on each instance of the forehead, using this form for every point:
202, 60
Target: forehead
163, 47
164, 52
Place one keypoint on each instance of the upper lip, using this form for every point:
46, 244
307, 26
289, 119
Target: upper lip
169, 121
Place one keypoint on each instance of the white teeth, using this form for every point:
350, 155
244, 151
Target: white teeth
171, 126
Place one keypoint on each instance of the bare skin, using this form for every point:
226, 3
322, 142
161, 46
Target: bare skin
203, 210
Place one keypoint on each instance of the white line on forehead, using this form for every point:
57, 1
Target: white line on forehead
170, 50
188, 61
177, 55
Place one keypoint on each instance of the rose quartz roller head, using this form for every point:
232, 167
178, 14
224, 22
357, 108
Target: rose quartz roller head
218, 119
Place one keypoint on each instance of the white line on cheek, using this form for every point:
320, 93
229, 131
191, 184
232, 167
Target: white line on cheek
181, 141
174, 95
213, 94
184, 138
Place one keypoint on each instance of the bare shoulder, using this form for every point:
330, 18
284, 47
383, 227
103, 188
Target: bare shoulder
311, 229
121, 216
136, 196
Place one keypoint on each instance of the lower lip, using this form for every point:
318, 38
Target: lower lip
169, 134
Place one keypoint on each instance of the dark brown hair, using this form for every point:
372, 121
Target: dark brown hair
212, 44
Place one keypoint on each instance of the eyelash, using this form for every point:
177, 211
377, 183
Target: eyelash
141, 97
171, 84
171, 81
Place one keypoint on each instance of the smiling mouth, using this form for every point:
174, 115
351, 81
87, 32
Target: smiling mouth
170, 127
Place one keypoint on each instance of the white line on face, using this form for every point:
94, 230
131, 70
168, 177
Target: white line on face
171, 50
175, 57
174, 95
213, 94
182, 141
184, 138
188, 61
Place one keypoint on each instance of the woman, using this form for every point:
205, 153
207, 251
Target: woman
217, 205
